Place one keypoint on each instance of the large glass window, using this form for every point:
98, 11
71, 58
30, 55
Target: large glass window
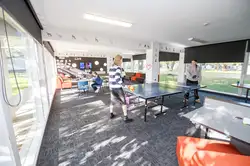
220, 76
50, 72
26, 78
140, 66
169, 72
15, 50
127, 66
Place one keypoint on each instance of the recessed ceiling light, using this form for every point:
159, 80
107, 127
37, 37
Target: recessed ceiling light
77, 50
107, 20
206, 24
197, 40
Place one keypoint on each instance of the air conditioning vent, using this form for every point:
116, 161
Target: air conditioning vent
196, 40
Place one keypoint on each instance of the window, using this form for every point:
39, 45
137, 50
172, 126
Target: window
127, 66
169, 72
220, 76
22, 56
140, 66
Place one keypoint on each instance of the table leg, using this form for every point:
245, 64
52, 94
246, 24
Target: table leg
247, 95
206, 132
162, 100
194, 97
146, 110
161, 104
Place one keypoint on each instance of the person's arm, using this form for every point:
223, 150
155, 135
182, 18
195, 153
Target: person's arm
118, 76
200, 75
188, 73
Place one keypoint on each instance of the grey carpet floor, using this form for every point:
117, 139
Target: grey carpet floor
79, 132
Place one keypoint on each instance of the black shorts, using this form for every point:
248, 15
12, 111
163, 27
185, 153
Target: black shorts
117, 96
190, 83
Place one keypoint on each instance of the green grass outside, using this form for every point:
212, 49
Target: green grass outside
212, 82
22, 80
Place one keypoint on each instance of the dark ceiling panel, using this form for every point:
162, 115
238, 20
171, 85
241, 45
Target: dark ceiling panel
126, 59
168, 56
139, 57
49, 47
22, 12
248, 46
215, 53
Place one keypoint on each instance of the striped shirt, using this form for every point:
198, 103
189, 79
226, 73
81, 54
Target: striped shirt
115, 77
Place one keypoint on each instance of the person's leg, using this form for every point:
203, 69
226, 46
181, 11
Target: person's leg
196, 95
97, 88
112, 100
186, 96
94, 86
124, 106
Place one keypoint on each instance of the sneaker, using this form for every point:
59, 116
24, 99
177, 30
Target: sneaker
198, 101
127, 120
97, 90
112, 116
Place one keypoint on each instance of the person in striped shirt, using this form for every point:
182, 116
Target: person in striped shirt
116, 92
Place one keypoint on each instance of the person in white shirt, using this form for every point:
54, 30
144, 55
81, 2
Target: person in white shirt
193, 76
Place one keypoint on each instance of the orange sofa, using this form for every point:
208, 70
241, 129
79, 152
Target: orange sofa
203, 152
139, 77
63, 83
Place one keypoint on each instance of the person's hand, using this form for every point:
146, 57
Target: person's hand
194, 77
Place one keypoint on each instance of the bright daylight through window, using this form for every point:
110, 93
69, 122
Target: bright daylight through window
25, 83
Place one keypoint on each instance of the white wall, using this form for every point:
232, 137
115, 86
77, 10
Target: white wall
181, 72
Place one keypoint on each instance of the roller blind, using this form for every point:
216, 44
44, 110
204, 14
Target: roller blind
248, 47
126, 60
23, 12
49, 47
168, 56
215, 53
139, 57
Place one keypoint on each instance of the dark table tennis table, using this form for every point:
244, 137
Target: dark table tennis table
158, 92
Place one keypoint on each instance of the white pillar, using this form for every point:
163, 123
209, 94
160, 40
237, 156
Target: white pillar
152, 63
244, 69
132, 65
109, 62
181, 69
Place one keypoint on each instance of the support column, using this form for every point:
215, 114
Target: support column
181, 69
152, 63
132, 64
109, 62
244, 69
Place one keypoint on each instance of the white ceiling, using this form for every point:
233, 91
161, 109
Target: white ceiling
77, 49
165, 21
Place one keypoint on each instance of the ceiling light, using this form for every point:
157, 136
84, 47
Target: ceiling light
96, 63
77, 50
197, 40
107, 20
206, 24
